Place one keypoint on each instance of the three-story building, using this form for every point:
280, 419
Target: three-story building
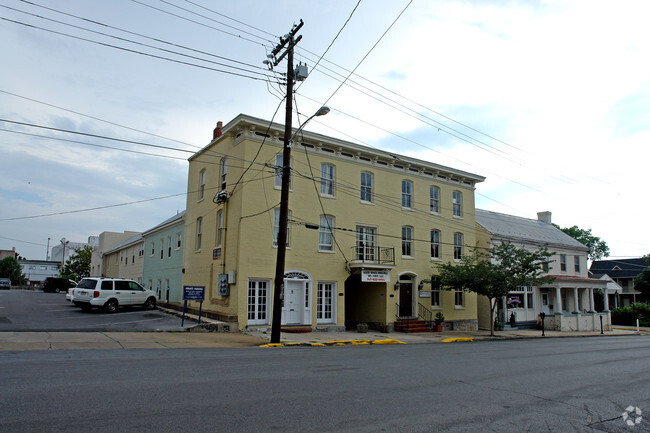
365, 228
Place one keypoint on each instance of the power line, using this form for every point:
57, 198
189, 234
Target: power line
370, 50
138, 52
131, 33
197, 22
333, 40
210, 19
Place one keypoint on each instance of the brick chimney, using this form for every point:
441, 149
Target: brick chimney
217, 131
544, 217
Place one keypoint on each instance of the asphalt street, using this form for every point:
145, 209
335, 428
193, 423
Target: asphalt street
557, 385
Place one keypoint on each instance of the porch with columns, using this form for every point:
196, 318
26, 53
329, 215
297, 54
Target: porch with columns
574, 305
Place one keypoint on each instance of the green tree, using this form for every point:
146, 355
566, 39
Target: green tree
597, 247
494, 274
10, 268
78, 265
642, 284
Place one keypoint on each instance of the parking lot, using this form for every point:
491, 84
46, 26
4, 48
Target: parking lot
27, 310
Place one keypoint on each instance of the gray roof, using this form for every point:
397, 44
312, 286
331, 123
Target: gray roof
179, 216
127, 242
518, 229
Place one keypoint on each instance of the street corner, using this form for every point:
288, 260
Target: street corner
457, 339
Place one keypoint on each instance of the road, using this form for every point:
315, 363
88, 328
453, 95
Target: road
556, 385
34, 310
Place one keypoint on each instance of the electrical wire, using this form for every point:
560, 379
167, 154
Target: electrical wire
136, 51
131, 33
197, 22
331, 43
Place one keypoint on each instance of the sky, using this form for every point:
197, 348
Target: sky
549, 100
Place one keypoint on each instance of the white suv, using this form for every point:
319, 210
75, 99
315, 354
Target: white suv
109, 293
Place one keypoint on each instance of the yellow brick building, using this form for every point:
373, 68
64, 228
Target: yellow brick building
366, 227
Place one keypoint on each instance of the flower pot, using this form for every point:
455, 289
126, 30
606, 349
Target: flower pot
437, 328
362, 328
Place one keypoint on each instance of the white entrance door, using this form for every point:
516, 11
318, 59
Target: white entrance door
545, 308
294, 295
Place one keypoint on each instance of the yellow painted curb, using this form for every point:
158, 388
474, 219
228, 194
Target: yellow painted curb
452, 340
388, 341
338, 343
628, 329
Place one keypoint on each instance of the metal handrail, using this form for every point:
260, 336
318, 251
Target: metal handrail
374, 254
425, 314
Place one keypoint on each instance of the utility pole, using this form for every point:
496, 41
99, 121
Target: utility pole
290, 42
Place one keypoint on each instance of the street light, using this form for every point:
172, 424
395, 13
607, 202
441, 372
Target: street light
278, 292
64, 242
321, 112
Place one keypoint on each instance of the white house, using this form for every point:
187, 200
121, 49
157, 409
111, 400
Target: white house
567, 302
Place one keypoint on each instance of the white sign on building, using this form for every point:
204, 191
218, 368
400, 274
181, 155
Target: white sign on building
375, 276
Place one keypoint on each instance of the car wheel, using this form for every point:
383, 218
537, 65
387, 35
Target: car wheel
150, 304
110, 306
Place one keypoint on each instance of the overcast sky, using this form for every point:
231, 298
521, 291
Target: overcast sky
549, 100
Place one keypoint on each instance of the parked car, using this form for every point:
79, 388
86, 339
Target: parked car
5, 283
111, 293
56, 285
70, 294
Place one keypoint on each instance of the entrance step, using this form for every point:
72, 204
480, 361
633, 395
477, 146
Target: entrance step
296, 329
411, 326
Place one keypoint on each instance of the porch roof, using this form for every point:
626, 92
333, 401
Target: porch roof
576, 281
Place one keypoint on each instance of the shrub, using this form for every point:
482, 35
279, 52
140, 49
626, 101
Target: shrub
627, 315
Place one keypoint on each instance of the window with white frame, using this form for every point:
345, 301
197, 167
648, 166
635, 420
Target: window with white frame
258, 301
576, 263
169, 246
276, 227
459, 298
366, 243
162, 248
407, 241
153, 249
436, 300
179, 238
201, 185
278, 171
219, 228
434, 199
563, 262
457, 202
327, 179
366, 187
458, 246
223, 172
325, 303
435, 244
407, 194
199, 233
133, 255
325, 237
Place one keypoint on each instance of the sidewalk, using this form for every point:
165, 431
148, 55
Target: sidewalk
168, 340
196, 336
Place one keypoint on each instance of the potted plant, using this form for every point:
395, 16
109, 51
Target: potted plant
362, 327
437, 322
